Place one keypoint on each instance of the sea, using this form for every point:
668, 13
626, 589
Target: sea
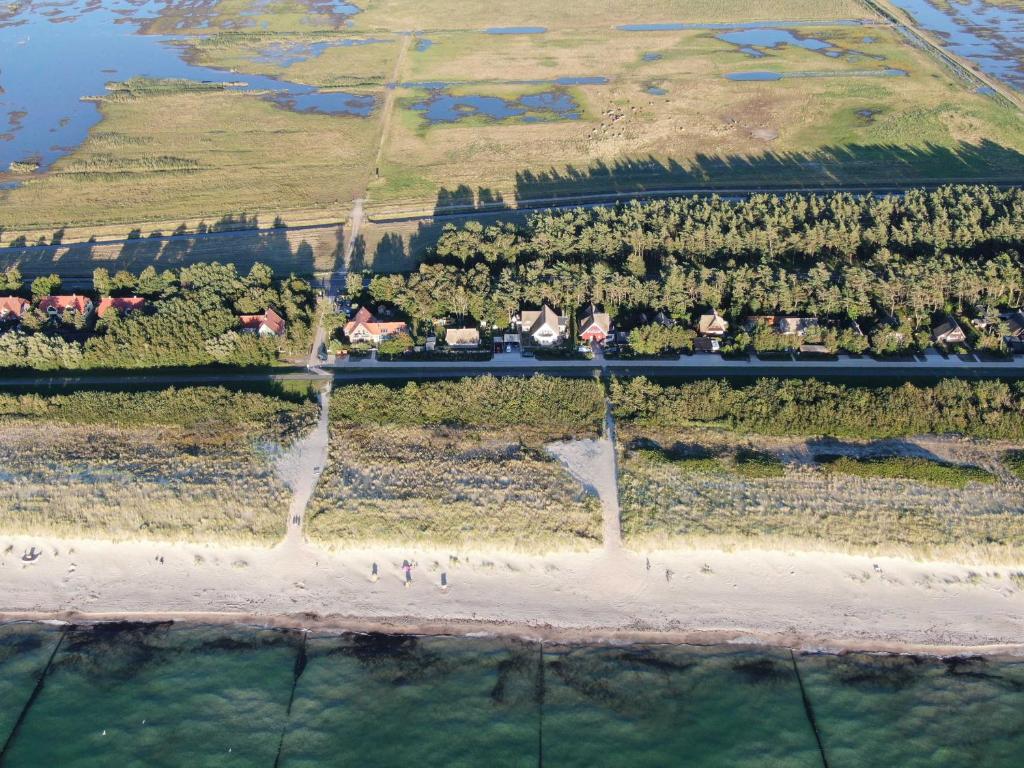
162, 694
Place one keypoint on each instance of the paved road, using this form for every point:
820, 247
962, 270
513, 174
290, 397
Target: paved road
931, 365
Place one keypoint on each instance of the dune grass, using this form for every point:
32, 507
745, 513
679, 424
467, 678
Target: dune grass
448, 487
195, 464
909, 507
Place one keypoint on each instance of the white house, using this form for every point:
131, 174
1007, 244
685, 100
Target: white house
544, 325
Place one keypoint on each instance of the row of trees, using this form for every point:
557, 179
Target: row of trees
836, 256
991, 409
211, 413
191, 319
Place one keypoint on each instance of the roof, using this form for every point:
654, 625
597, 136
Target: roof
120, 304
1015, 320
788, 325
713, 323
947, 327
593, 318
62, 303
533, 320
462, 336
365, 318
706, 344
270, 319
14, 305
817, 349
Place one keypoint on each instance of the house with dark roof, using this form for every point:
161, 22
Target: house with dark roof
268, 324
948, 331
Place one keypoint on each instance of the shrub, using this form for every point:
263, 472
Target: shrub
906, 468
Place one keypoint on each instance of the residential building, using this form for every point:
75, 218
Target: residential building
462, 338
13, 307
795, 326
544, 325
712, 325
595, 326
268, 324
58, 305
707, 344
123, 306
948, 332
365, 328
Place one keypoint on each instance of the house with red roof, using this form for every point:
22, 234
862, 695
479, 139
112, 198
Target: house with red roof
58, 305
365, 328
595, 326
13, 307
268, 324
123, 306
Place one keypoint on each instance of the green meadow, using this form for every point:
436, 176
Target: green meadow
667, 117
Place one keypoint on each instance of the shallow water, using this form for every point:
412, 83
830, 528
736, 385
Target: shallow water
768, 76
444, 107
516, 30
48, 63
755, 41
155, 695
286, 54
990, 35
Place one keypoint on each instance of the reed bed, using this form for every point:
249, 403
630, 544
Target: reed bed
464, 487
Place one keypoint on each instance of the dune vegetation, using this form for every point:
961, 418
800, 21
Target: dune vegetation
192, 464
457, 463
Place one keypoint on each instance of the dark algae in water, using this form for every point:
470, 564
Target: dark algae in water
166, 696
133, 694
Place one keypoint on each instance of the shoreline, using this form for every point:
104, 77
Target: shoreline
542, 633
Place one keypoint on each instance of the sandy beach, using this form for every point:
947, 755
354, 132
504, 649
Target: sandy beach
804, 600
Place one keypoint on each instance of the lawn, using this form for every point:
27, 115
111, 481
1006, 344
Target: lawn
683, 489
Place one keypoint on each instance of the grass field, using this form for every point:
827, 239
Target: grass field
402, 486
166, 159
169, 158
684, 489
80, 473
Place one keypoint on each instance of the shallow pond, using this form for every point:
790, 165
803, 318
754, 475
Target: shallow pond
154, 695
444, 107
990, 35
516, 30
286, 54
49, 62
755, 41
768, 76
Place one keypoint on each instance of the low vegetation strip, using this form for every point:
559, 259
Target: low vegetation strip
213, 409
536, 403
906, 467
989, 409
196, 464
1014, 462
410, 486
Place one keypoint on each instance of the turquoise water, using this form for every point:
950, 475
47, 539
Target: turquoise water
161, 695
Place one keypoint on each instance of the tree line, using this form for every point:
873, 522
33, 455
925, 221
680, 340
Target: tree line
485, 401
988, 409
191, 319
832, 255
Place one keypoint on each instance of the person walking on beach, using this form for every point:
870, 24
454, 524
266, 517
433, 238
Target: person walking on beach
407, 570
